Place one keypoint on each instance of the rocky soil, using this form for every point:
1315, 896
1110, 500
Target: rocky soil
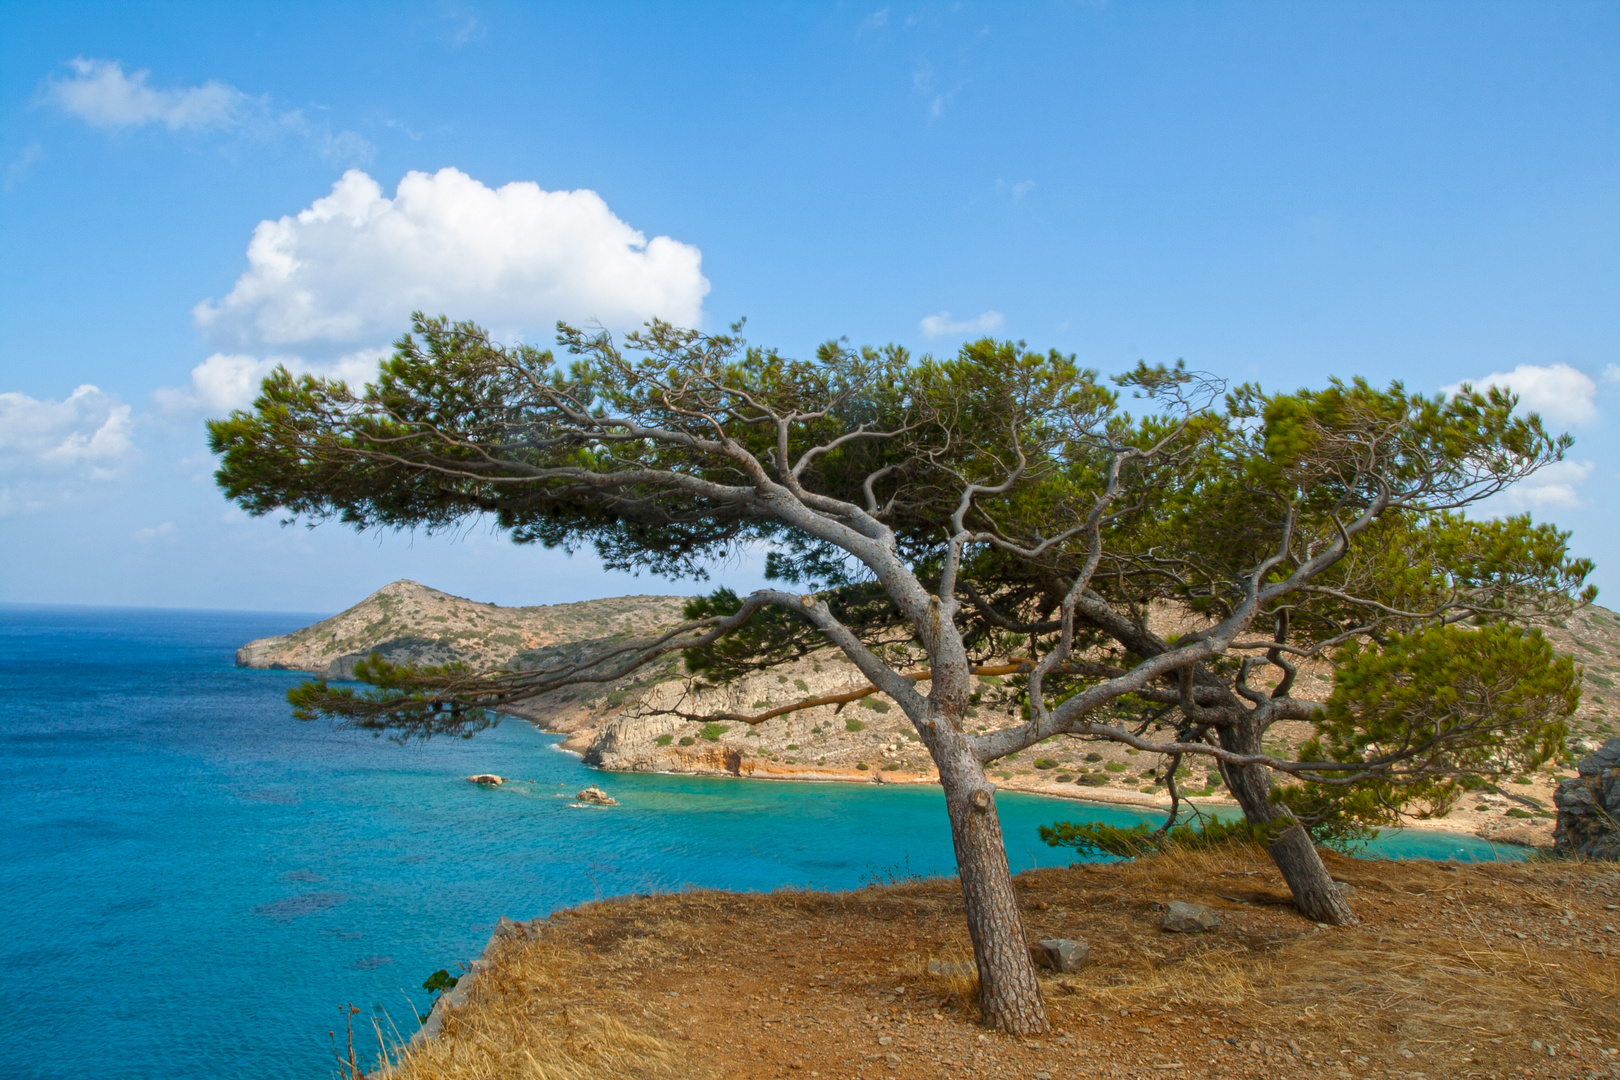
636, 724
1483, 970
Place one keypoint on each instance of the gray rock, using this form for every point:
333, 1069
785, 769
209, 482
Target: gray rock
1346, 890
1060, 954
952, 968
1589, 807
1183, 918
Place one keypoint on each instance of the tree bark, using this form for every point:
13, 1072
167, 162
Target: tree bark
1009, 993
1315, 894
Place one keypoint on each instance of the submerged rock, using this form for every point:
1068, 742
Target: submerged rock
1184, 918
595, 796
1589, 807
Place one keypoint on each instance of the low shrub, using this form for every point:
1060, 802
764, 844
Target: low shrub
664, 740
712, 732
874, 704
1045, 763
687, 740
1095, 838
853, 724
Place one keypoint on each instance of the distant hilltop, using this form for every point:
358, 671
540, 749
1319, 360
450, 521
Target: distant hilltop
409, 623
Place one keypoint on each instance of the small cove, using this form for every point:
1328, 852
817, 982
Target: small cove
195, 881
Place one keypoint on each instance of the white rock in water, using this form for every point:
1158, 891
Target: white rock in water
597, 797
488, 779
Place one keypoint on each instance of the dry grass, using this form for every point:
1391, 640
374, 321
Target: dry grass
1454, 971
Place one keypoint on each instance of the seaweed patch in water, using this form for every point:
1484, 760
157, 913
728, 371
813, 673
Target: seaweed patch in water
291, 907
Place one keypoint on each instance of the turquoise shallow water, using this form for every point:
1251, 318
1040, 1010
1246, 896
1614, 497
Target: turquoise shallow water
193, 882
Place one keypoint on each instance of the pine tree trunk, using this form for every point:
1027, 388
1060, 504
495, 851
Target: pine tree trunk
1315, 894
1009, 993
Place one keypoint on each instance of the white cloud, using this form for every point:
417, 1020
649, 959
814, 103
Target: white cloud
351, 267
88, 432
1556, 487
942, 323
1611, 373
227, 381
31, 155
877, 20
47, 448
103, 95
1560, 393
164, 531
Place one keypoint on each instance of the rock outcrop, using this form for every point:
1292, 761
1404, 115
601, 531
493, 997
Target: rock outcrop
408, 623
1589, 807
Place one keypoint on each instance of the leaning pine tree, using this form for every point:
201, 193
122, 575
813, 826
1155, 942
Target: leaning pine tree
993, 512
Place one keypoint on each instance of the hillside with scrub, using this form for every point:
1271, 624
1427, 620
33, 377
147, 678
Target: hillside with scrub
658, 720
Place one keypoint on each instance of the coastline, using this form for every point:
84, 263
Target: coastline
1518, 835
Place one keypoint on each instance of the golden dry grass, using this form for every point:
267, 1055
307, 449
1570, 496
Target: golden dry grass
1455, 971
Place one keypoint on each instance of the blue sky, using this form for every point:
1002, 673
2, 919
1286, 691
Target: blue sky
1281, 192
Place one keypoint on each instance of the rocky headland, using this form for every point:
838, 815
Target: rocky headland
641, 724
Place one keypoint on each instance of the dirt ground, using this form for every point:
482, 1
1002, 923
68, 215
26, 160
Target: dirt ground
1484, 970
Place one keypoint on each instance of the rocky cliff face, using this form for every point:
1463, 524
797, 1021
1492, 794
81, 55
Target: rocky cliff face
1589, 807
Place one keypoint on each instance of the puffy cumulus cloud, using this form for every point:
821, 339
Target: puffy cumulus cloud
940, 324
1560, 393
87, 432
102, 94
49, 447
354, 265
227, 381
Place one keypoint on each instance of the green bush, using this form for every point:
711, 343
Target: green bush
665, 740
712, 732
1093, 756
874, 704
1064, 778
1094, 838
1045, 763
861, 765
687, 740
853, 724
1091, 780
792, 746
1115, 766
802, 686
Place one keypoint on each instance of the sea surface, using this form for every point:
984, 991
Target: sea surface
194, 883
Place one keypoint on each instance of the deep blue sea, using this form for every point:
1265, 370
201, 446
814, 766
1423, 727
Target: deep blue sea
194, 883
